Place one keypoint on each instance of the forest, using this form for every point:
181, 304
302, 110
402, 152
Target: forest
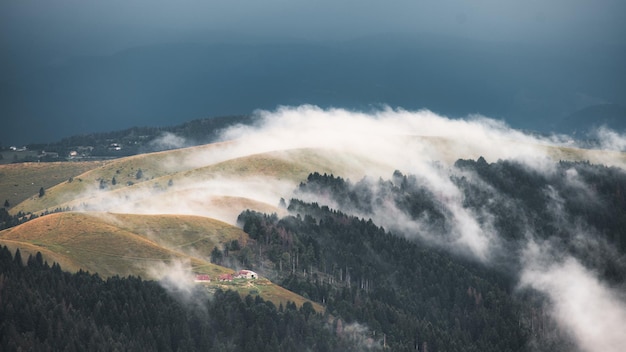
44, 308
420, 290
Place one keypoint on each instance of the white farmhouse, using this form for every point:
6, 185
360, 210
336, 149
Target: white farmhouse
247, 274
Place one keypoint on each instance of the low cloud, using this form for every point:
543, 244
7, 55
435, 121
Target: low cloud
587, 309
177, 278
168, 141
609, 139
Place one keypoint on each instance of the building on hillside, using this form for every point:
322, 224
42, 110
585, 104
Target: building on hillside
202, 278
247, 274
225, 277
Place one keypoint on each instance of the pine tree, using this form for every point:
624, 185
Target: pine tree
42, 192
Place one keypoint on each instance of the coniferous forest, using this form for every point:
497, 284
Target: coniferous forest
44, 308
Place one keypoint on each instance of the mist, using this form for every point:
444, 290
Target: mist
587, 309
367, 146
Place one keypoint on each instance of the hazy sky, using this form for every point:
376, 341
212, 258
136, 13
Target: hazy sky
56, 29
569, 57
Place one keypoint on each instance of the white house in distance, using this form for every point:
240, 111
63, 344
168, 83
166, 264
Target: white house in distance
247, 274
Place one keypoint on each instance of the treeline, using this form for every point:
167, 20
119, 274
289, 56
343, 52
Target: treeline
138, 140
7, 220
573, 199
417, 298
43, 308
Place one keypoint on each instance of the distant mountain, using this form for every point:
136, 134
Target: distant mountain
584, 120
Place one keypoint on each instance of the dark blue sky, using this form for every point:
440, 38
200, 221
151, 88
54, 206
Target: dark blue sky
62, 28
52, 47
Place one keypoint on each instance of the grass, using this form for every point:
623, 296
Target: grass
139, 245
98, 242
159, 169
293, 165
18, 182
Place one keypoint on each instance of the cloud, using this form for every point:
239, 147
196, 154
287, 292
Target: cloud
609, 139
593, 313
358, 336
168, 141
177, 278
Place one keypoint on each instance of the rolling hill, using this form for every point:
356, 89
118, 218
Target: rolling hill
220, 180
153, 247
212, 189
116, 244
20, 181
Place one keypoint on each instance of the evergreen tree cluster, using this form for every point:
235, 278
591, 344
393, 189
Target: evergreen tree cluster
43, 308
413, 293
574, 198
409, 293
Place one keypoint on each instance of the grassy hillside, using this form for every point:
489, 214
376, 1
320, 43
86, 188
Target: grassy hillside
21, 181
170, 187
198, 180
102, 243
149, 246
124, 170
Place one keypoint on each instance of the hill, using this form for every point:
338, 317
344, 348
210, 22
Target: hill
195, 180
21, 181
153, 247
222, 179
112, 244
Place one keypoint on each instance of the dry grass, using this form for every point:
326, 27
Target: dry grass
18, 182
124, 170
293, 165
159, 168
122, 244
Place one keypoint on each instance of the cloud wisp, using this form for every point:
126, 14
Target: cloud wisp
586, 308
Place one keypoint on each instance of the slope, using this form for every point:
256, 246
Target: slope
200, 183
154, 247
102, 243
20, 181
